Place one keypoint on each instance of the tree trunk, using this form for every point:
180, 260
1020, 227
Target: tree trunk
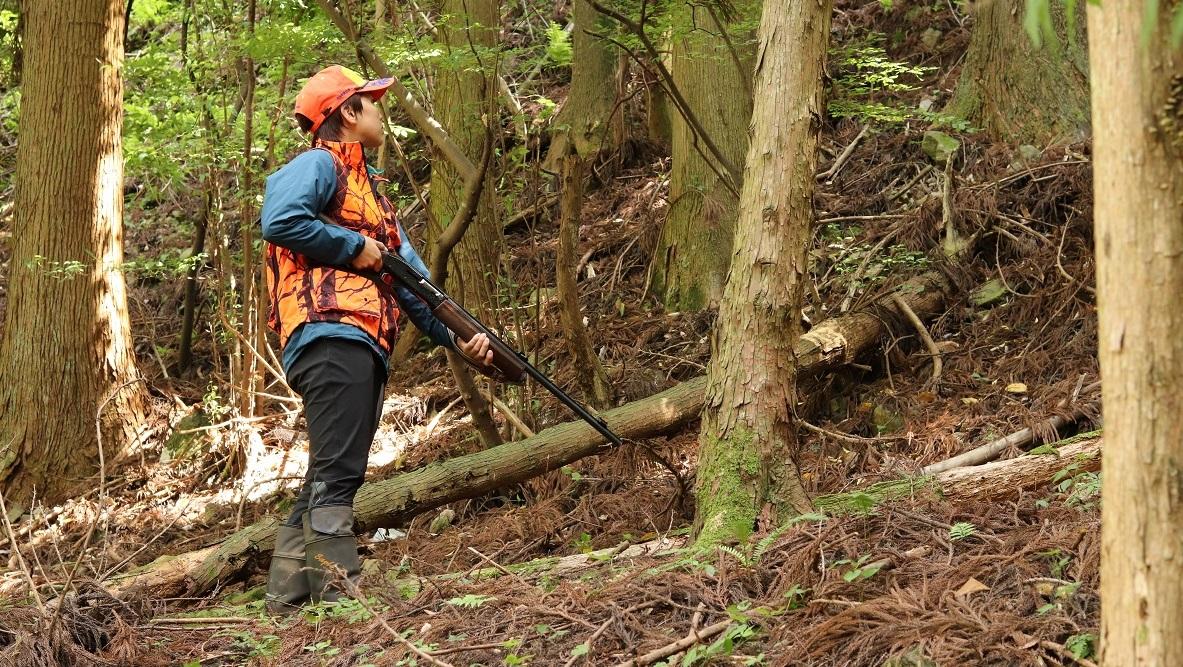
463, 86
475, 474
587, 120
1020, 93
468, 29
1138, 154
747, 469
712, 68
588, 369
67, 347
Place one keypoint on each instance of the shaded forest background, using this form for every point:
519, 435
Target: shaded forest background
946, 227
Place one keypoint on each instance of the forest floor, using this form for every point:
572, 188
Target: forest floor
900, 579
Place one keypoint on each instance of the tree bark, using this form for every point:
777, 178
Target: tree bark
468, 29
1020, 93
1138, 190
587, 121
712, 67
67, 347
747, 467
588, 370
1001, 479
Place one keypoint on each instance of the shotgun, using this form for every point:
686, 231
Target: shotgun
511, 366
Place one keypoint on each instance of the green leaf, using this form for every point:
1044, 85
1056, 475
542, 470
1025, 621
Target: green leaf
580, 650
962, 530
470, 601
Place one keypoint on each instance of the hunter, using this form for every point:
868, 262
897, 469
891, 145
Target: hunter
337, 328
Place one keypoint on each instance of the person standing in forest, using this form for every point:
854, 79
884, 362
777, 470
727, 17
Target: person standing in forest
337, 328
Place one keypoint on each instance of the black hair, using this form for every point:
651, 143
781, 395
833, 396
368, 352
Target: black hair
330, 129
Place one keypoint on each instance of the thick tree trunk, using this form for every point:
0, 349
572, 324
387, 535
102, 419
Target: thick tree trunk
713, 70
463, 89
66, 348
747, 468
1020, 93
587, 120
473, 475
1138, 171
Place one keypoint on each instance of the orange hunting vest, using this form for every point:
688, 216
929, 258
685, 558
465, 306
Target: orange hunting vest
303, 291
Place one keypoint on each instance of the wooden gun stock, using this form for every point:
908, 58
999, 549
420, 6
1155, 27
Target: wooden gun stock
509, 366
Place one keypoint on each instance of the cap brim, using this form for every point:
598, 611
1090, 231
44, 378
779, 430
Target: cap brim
377, 87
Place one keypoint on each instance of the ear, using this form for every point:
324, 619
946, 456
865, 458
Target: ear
349, 116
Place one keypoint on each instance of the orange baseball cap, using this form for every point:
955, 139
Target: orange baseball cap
328, 89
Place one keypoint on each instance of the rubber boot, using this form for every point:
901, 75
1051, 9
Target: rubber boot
287, 585
328, 534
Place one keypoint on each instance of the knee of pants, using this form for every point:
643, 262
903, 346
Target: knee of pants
331, 519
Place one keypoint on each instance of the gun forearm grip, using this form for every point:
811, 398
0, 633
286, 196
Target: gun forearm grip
508, 365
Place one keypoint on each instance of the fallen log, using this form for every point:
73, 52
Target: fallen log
391, 502
998, 479
1006, 478
1021, 438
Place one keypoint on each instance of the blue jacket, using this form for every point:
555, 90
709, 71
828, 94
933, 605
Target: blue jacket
295, 196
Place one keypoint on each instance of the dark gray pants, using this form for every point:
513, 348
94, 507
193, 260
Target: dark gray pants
342, 383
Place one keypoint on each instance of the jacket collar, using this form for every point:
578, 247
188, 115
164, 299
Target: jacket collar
350, 152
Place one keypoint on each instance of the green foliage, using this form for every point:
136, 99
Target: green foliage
864, 72
558, 48
723, 646
265, 646
961, 530
1082, 490
1060, 595
1057, 561
860, 269
795, 596
66, 270
754, 553
859, 569
471, 600
1082, 645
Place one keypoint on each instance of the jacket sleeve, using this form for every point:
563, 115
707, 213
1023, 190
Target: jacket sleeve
295, 195
417, 311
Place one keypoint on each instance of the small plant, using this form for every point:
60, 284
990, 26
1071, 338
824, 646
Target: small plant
583, 543
753, 553
1082, 489
1057, 561
66, 270
324, 647
723, 646
265, 646
859, 570
796, 596
513, 659
471, 601
864, 71
961, 530
1060, 594
1082, 645
558, 48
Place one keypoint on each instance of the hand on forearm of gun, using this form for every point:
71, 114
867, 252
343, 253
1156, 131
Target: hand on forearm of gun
476, 348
